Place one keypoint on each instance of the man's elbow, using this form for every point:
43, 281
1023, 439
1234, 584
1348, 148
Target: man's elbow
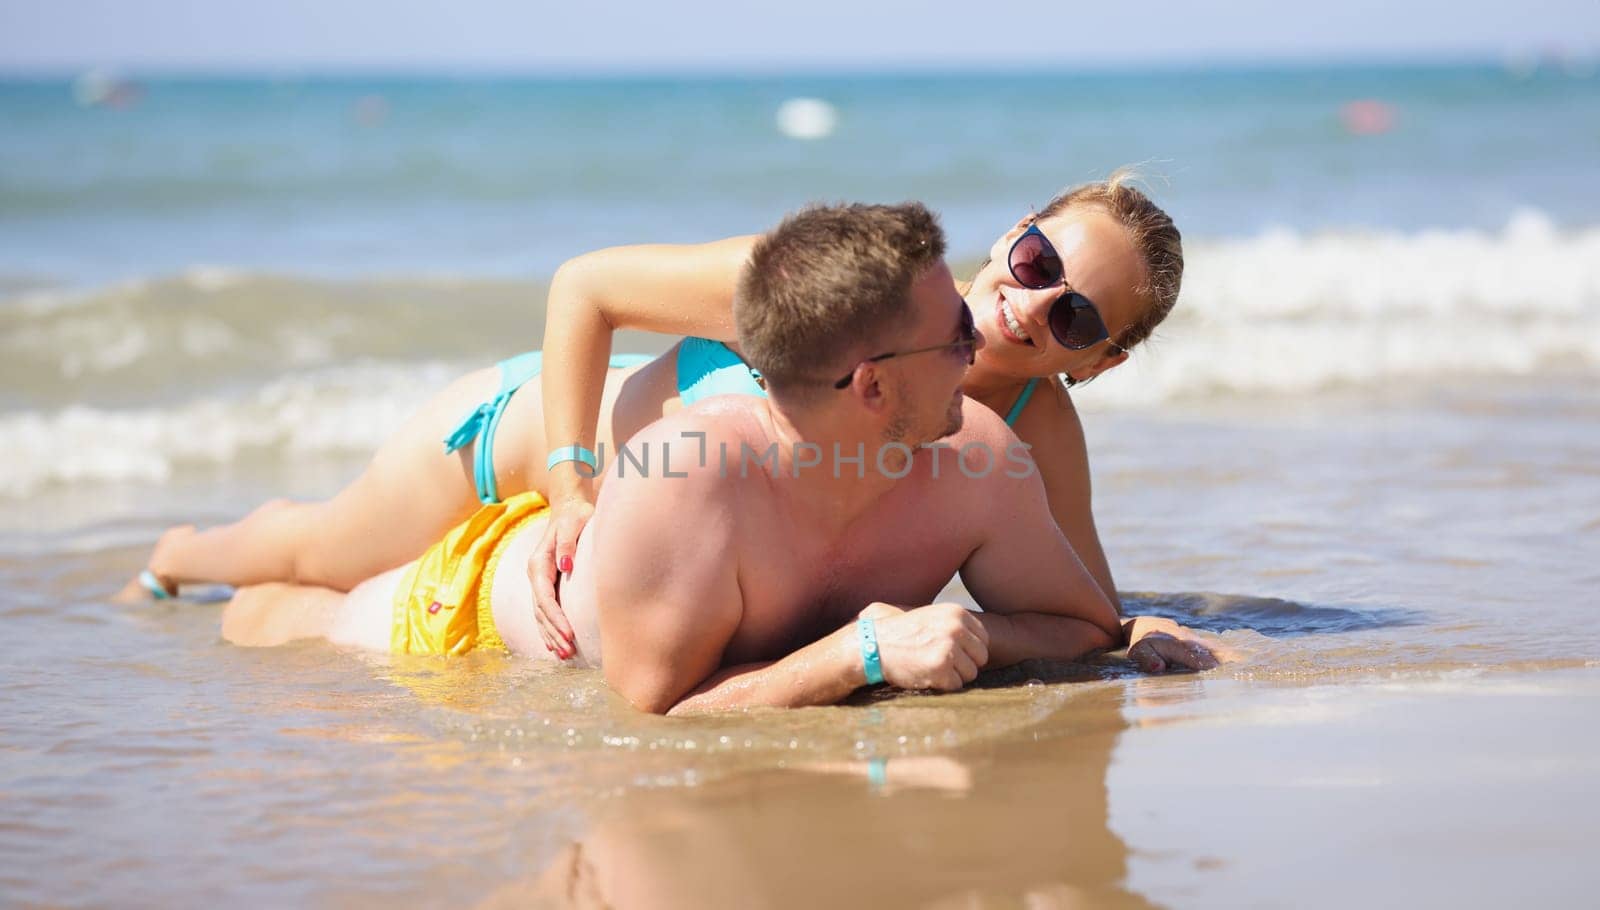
645, 695
651, 702
668, 703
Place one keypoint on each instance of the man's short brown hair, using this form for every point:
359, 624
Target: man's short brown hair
827, 281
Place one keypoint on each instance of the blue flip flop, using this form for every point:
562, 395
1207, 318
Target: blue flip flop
153, 584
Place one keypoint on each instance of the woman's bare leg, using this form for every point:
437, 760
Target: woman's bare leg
410, 494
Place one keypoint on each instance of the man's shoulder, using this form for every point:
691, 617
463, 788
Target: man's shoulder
982, 432
664, 503
981, 425
983, 458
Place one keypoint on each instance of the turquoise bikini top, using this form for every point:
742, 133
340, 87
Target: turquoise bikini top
707, 368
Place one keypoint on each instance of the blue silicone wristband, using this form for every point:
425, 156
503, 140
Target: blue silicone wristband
573, 453
869, 650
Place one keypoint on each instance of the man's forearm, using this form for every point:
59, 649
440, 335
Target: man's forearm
1015, 637
824, 672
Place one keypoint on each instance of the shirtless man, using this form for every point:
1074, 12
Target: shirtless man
769, 542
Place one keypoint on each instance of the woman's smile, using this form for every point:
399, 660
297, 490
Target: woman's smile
1009, 324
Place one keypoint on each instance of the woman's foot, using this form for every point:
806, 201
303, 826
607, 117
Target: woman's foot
151, 584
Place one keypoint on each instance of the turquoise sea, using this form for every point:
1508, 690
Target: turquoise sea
510, 176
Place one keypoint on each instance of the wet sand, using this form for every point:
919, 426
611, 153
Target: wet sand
1409, 578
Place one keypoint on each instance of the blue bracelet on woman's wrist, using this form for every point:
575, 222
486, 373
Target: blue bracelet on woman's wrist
573, 453
869, 650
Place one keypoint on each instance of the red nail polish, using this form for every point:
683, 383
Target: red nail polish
566, 564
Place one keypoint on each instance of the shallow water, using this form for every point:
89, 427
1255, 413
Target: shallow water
1408, 575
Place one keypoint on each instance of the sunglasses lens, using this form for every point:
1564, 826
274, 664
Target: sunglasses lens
1075, 323
1034, 263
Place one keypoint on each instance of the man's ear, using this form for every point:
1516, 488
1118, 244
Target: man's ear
868, 384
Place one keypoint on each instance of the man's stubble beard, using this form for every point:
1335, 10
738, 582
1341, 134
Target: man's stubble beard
899, 427
954, 419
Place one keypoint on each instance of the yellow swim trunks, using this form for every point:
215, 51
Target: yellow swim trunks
442, 604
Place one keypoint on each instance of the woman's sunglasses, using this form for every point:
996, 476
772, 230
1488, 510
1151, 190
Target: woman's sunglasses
1074, 320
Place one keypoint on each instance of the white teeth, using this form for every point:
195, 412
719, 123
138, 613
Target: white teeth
1011, 319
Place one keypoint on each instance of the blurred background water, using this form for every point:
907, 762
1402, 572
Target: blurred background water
509, 176
291, 262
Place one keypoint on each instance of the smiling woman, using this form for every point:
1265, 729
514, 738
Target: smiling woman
1074, 321
1112, 273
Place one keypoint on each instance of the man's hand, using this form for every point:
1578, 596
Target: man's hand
1159, 645
940, 646
560, 541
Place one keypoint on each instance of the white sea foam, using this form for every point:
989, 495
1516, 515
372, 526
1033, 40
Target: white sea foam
198, 364
338, 411
149, 340
1286, 312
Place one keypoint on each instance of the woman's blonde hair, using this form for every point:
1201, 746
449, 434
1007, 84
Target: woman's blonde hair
1153, 234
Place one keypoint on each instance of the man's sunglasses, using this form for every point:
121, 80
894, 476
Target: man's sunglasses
968, 340
1074, 320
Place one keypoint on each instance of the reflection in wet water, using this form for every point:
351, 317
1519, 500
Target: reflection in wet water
1019, 818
